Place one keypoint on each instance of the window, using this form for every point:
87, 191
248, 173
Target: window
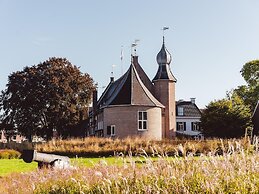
181, 126
142, 120
180, 111
91, 131
100, 125
111, 130
195, 126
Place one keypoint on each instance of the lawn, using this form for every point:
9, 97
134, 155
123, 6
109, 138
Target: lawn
8, 166
90, 162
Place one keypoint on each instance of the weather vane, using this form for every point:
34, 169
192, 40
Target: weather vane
112, 73
164, 29
134, 45
121, 58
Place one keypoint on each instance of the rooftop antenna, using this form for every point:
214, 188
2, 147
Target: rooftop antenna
133, 48
112, 73
100, 88
121, 58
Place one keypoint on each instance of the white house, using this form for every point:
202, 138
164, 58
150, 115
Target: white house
188, 117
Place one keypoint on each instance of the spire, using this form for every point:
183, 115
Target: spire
163, 59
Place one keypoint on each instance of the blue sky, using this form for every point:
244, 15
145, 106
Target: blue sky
209, 40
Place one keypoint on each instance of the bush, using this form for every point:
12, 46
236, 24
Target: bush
9, 154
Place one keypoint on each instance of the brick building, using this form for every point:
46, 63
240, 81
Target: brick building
133, 105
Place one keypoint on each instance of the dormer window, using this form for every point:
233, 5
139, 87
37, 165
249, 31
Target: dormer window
180, 111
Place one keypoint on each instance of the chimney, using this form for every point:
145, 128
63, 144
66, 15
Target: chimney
94, 100
192, 100
111, 79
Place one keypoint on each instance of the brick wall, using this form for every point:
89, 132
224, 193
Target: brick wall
125, 119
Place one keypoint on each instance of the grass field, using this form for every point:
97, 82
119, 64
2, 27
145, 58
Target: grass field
232, 167
237, 172
8, 166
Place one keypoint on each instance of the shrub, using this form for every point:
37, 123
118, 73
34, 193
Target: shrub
9, 154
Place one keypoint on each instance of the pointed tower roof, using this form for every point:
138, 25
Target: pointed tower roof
164, 59
129, 89
143, 76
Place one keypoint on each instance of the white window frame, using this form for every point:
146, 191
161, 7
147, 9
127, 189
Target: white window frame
100, 125
113, 130
142, 121
180, 111
180, 126
195, 126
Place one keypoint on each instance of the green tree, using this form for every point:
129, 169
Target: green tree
52, 95
226, 118
250, 92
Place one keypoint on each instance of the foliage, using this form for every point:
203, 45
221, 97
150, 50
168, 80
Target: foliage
9, 154
250, 92
250, 72
235, 172
52, 95
226, 118
229, 117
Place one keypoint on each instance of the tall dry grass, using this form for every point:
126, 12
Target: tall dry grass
9, 154
236, 171
92, 147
